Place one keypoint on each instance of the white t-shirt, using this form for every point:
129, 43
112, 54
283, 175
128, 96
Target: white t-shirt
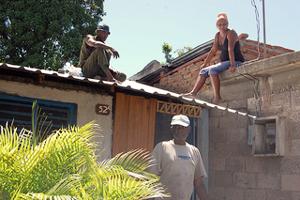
178, 166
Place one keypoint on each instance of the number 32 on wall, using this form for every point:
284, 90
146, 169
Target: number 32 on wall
102, 109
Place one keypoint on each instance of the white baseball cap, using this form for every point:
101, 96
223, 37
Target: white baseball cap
181, 120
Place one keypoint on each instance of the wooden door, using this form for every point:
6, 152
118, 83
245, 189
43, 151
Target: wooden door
134, 123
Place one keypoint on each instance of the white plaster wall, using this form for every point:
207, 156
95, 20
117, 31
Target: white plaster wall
86, 103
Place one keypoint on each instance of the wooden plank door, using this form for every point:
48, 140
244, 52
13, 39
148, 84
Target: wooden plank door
134, 123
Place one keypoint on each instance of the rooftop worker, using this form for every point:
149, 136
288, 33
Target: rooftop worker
179, 164
95, 56
226, 41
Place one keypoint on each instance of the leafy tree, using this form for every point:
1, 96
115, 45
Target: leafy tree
63, 166
46, 33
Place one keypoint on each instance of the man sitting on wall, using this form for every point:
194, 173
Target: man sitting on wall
95, 56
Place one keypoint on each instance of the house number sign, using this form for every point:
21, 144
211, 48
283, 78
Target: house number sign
102, 109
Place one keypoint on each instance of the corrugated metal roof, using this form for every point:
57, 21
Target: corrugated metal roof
129, 85
190, 55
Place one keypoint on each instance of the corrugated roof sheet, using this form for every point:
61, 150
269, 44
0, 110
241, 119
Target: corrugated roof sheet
130, 85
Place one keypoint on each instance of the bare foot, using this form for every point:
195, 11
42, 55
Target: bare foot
217, 100
188, 95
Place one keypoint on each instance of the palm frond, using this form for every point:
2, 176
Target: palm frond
42, 196
118, 187
125, 177
66, 185
13, 150
136, 160
40, 126
63, 166
64, 152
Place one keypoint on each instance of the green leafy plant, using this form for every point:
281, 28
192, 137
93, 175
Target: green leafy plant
182, 51
166, 49
63, 166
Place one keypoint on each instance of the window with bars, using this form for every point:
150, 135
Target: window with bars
18, 110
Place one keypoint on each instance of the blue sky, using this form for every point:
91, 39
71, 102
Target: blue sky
140, 27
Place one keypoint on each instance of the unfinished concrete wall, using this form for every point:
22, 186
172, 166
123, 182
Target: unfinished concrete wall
234, 172
85, 101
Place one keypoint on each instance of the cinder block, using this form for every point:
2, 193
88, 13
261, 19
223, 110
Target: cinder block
237, 104
255, 194
244, 180
295, 147
263, 165
241, 121
223, 179
282, 99
220, 150
216, 113
295, 196
294, 115
231, 120
272, 110
254, 165
252, 104
218, 164
235, 164
228, 121
239, 149
218, 135
290, 165
290, 182
278, 195
214, 122
241, 90
293, 126
234, 194
217, 193
295, 97
272, 165
238, 135
268, 181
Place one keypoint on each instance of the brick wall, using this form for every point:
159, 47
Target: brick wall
182, 78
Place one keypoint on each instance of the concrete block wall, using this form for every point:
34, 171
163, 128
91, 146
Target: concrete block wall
234, 173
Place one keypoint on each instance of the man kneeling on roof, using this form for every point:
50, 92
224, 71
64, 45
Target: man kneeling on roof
95, 56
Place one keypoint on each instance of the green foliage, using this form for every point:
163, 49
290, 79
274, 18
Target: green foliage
63, 166
182, 51
166, 49
46, 33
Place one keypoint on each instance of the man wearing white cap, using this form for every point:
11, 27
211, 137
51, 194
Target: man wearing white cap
179, 164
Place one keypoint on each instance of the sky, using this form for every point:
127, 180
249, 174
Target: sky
140, 27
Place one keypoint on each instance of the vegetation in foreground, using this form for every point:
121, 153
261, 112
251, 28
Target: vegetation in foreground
63, 166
